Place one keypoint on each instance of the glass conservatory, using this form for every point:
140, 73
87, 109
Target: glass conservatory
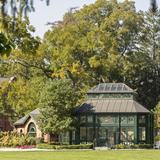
111, 116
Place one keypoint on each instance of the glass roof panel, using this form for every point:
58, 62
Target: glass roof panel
101, 87
114, 87
110, 87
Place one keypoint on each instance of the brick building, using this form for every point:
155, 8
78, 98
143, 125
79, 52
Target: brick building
5, 124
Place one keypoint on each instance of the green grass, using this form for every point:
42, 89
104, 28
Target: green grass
83, 155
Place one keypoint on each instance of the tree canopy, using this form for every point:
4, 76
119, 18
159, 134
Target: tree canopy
57, 104
108, 41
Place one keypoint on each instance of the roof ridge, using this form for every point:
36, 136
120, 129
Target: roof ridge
111, 88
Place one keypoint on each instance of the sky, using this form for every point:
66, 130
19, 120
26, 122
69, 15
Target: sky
57, 8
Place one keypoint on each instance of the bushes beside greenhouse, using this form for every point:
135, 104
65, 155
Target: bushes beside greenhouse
64, 146
133, 146
12, 139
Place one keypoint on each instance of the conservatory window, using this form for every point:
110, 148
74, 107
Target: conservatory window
142, 119
124, 119
90, 132
83, 119
90, 119
142, 133
32, 129
106, 119
131, 119
83, 136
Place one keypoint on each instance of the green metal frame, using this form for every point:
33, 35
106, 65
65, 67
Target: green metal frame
95, 126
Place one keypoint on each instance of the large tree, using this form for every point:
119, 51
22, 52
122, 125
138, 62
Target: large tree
57, 105
143, 67
20, 61
88, 46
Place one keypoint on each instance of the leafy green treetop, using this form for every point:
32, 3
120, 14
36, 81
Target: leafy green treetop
57, 105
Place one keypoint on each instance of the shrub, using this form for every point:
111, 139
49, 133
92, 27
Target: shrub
133, 146
145, 146
157, 138
39, 140
51, 146
12, 139
121, 146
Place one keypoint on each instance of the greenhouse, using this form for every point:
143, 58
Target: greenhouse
111, 116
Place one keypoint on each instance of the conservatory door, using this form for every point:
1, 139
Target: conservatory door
106, 136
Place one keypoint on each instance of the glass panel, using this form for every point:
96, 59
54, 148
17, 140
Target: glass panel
107, 87
32, 130
106, 119
110, 95
102, 133
101, 87
123, 134
116, 119
82, 119
142, 133
142, 119
73, 137
125, 88
107, 136
127, 134
131, 119
83, 136
114, 87
119, 88
124, 120
90, 134
90, 119
64, 137
131, 134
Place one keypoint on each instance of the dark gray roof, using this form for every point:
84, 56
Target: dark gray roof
111, 88
111, 106
34, 114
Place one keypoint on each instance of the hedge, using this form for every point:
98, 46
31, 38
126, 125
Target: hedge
133, 146
51, 146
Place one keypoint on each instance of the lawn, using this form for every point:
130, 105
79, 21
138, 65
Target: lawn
83, 155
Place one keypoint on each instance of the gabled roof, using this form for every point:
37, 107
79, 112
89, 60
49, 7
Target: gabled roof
111, 106
34, 114
111, 88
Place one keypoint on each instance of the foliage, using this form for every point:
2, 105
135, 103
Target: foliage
49, 146
142, 69
12, 139
107, 41
157, 116
15, 6
157, 138
133, 146
5, 45
114, 43
87, 46
20, 97
57, 104
21, 38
